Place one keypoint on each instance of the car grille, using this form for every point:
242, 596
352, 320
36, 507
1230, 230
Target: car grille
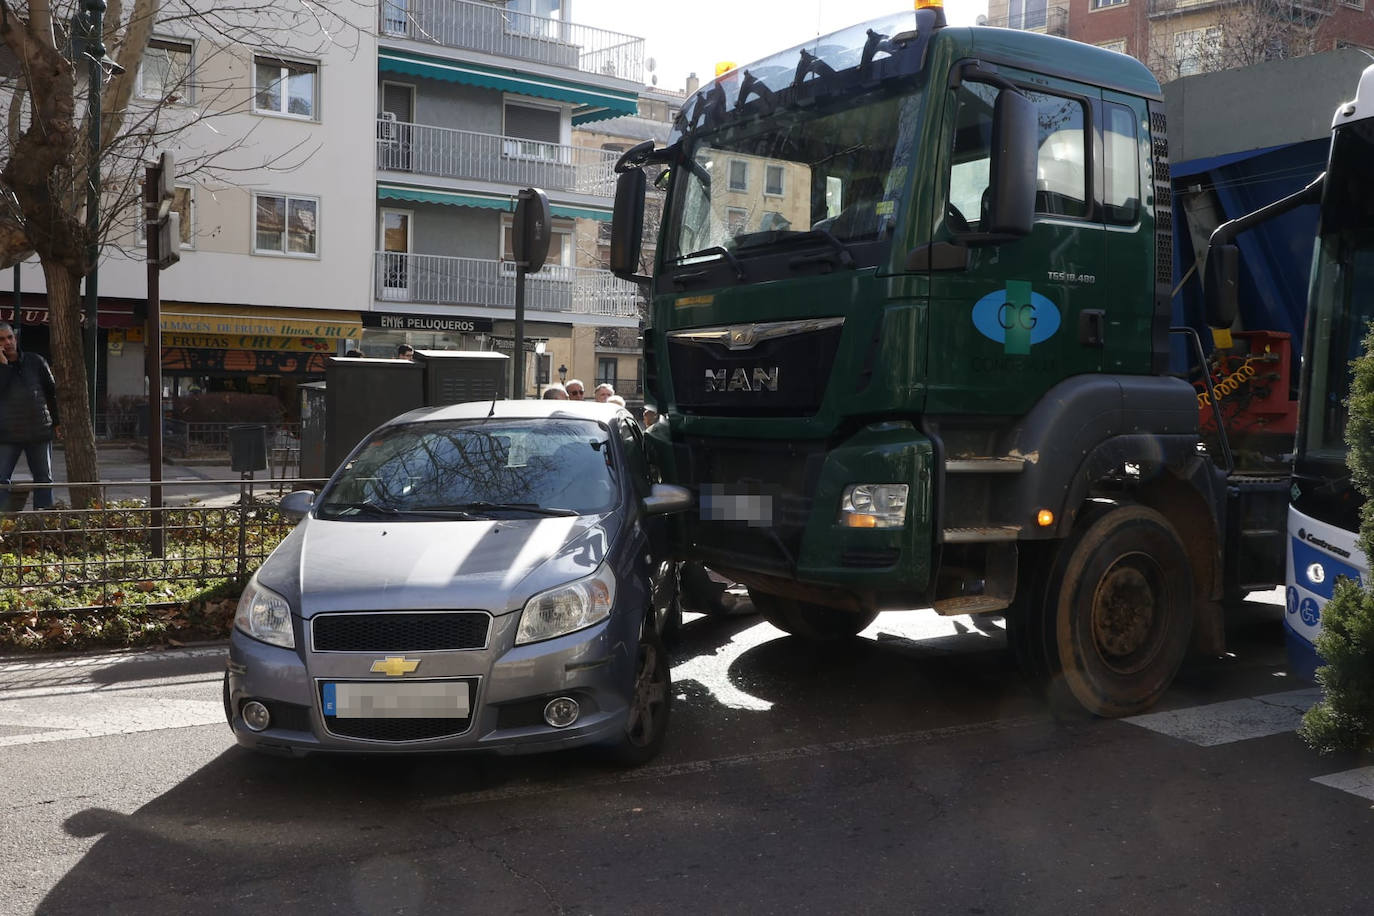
400, 631
396, 729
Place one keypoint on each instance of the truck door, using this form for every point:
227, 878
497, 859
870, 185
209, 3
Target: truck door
1019, 315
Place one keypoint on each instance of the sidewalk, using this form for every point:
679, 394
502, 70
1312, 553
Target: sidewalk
210, 484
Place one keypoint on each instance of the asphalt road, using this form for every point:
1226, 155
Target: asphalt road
912, 772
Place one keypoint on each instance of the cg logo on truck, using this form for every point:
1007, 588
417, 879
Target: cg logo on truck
1016, 317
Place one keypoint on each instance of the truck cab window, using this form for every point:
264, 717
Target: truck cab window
1121, 165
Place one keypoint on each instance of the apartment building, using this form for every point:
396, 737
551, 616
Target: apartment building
1176, 38
354, 186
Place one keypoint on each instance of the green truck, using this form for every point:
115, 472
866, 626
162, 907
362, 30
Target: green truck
910, 340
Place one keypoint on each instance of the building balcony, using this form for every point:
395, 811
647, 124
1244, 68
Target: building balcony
442, 152
436, 280
1053, 20
618, 340
492, 29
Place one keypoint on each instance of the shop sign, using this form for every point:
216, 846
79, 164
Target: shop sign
395, 321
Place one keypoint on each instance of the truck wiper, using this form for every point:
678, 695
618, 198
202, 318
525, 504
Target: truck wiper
843, 257
725, 253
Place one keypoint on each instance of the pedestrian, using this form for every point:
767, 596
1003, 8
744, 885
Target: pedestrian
405, 351
555, 392
616, 399
650, 416
603, 392
352, 353
575, 389
29, 419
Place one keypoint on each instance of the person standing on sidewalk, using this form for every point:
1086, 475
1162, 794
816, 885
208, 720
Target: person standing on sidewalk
28, 418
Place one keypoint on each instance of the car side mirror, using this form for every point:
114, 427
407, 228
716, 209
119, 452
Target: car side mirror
1220, 276
296, 505
664, 498
627, 224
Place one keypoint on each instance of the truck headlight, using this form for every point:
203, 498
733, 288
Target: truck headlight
265, 615
567, 608
873, 505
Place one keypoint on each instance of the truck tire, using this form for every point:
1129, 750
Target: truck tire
700, 593
812, 622
1115, 617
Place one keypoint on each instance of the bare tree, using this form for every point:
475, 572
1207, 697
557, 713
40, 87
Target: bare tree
43, 139
1231, 34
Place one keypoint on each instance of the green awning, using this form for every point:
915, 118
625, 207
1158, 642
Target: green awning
482, 201
593, 103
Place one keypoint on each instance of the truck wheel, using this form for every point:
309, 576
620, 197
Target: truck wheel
1120, 605
813, 622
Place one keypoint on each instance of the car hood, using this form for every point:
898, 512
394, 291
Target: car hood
489, 564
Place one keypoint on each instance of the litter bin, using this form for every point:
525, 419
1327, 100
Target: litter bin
248, 447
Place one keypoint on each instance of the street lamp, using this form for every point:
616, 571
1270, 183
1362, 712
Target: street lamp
92, 31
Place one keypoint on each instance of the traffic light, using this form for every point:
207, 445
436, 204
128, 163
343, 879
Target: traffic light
163, 220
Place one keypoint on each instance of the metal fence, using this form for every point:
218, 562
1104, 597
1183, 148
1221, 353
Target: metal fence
493, 29
405, 277
449, 153
124, 551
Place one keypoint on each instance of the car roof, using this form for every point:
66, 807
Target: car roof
501, 410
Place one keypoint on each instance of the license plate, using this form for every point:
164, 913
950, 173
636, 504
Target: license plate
720, 505
416, 700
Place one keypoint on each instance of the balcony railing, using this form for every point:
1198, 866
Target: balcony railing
493, 29
447, 153
1053, 20
473, 281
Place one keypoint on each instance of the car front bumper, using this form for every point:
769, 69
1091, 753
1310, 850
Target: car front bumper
509, 687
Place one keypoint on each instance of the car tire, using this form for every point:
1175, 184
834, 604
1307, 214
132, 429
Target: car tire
665, 602
810, 621
650, 702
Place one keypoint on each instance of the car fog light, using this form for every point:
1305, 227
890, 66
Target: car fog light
562, 712
256, 716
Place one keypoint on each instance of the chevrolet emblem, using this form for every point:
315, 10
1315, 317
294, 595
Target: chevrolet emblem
394, 666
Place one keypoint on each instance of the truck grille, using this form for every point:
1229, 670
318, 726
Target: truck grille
400, 631
778, 376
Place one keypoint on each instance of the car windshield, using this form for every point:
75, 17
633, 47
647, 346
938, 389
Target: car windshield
476, 468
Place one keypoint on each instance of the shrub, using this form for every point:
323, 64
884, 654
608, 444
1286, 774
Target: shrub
228, 407
1344, 718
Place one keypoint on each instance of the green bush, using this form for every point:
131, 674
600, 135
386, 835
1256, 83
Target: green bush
1344, 718
228, 407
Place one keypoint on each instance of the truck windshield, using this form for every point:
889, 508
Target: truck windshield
829, 175
1342, 296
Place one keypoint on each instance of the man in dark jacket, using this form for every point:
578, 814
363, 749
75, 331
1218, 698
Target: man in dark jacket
28, 417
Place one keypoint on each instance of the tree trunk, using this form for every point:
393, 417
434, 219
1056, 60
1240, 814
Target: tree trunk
69, 369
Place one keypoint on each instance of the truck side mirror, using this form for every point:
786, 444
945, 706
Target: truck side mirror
1015, 149
1220, 276
627, 223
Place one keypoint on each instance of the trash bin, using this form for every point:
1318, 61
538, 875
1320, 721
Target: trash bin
248, 447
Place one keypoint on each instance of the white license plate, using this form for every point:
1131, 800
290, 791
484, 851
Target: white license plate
416, 700
716, 504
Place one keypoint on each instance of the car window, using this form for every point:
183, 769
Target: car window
436, 465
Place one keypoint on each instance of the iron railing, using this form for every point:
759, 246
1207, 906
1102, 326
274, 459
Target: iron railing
402, 277
492, 29
446, 153
207, 531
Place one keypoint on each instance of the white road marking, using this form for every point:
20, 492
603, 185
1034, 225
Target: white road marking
66, 717
1233, 720
1357, 782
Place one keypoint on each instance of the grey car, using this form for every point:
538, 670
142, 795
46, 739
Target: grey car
473, 577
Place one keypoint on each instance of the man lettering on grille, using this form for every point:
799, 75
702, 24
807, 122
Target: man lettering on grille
28, 419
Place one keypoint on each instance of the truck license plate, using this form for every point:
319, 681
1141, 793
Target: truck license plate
719, 505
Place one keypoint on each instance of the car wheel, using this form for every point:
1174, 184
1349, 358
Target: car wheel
650, 703
663, 597
810, 621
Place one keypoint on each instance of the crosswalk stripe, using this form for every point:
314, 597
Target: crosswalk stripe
65, 718
1359, 781
1232, 720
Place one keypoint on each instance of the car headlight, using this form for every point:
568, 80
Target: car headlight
265, 615
567, 608
873, 505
